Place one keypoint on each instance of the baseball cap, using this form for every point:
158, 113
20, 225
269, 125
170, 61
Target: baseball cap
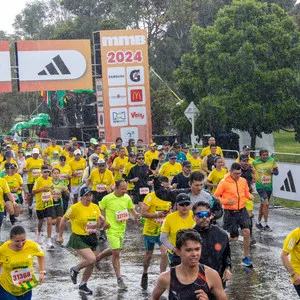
183, 198
101, 162
93, 141
74, 139
160, 147
244, 157
166, 143
8, 165
195, 150
20, 151
131, 154
7, 154
113, 146
246, 148
85, 190
55, 152
172, 155
94, 157
131, 140
36, 151
76, 152
184, 146
186, 163
153, 145
71, 149
8, 145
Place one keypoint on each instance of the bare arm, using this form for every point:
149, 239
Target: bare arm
162, 284
215, 284
41, 266
145, 212
288, 266
62, 225
204, 165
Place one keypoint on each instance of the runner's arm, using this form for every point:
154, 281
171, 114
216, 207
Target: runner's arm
162, 284
62, 225
41, 266
10, 197
215, 284
164, 237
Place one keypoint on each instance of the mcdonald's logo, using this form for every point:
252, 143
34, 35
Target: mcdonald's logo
136, 95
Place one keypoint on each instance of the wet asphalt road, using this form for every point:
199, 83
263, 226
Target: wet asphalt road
267, 280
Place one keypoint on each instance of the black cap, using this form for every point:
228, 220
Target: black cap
166, 143
186, 163
85, 190
172, 155
8, 165
184, 146
71, 149
246, 148
131, 140
7, 154
131, 154
183, 198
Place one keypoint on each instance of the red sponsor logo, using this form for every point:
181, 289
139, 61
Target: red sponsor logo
135, 115
136, 95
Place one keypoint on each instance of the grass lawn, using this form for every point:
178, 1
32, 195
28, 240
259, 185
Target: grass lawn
285, 143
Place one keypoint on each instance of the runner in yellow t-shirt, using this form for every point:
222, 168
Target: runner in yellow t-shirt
154, 210
119, 164
195, 160
85, 218
206, 151
17, 278
42, 190
128, 166
15, 183
170, 168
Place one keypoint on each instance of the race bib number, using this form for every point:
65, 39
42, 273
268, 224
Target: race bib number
46, 196
21, 276
101, 188
63, 176
266, 179
36, 172
56, 194
91, 227
79, 173
144, 191
122, 215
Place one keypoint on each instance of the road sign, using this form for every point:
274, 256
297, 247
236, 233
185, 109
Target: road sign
54, 65
191, 111
5, 74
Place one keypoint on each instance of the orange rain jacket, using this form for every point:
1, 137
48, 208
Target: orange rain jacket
230, 189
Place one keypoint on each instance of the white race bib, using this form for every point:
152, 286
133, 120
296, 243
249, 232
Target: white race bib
79, 173
144, 191
266, 179
122, 215
101, 188
46, 196
21, 276
63, 176
36, 172
91, 227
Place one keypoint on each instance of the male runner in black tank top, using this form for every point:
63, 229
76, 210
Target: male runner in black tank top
190, 280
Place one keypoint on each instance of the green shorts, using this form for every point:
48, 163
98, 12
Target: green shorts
115, 241
77, 242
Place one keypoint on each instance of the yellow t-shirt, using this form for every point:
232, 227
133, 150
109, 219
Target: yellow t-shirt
174, 222
14, 181
15, 148
206, 151
215, 177
37, 146
12, 161
43, 199
17, 276
118, 163
101, 182
170, 170
49, 150
127, 168
153, 225
64, 171
35, 165
149, 155
104, 149
69, 159
291, 245
196, 164
83, 218
64, 153
4, 189
78, 167
188, 156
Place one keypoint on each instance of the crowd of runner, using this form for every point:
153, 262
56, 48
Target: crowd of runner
177, 193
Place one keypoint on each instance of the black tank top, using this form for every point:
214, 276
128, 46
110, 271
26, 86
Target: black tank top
211, 162
179, 291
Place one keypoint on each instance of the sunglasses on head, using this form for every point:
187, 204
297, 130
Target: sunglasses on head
203, 214
184, 204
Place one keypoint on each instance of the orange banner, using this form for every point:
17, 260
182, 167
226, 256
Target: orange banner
54, 65
5, 74
126, 89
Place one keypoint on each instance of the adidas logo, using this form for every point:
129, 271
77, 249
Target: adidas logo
56, 67
288, 184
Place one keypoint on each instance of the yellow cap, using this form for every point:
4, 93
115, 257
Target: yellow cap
74, 139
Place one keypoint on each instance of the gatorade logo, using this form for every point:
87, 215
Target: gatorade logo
135, 76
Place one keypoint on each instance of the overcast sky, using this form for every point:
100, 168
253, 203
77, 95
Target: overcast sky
10, 9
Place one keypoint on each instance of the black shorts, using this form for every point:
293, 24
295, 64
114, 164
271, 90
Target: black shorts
57, 211
97, 197
45, 213
30, 187
264, 195
233, 219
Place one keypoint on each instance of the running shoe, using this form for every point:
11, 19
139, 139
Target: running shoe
121, 284
85, 290
73, 274
259, 226
49, 246
267, 228
252, 242
38, 238
246, 262
144, 281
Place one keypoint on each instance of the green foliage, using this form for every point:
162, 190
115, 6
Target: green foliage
244, 69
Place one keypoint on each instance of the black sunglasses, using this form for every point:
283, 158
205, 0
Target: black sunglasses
184, 204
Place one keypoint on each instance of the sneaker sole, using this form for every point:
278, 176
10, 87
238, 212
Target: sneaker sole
84, 292
248, 266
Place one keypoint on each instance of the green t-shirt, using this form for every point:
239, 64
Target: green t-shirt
263, 175
57, 192
116, 209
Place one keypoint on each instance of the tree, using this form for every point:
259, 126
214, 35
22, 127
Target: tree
246, 66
